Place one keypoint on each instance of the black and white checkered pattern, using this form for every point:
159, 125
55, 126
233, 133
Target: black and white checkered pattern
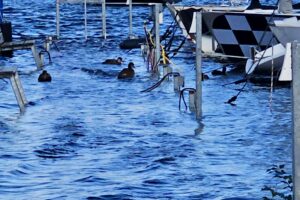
236, 33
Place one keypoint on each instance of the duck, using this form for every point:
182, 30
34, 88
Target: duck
217, 72
127, 72
117, 61
44, 77
204, 77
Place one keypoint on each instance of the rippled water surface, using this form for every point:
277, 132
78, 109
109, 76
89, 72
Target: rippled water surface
91, 136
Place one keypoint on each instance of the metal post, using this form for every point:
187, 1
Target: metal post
1, 10
192, 105
20, 88
17, 93
198, 65
178, 82
166, 69
85, 20
296, 119
130, 19
104, 19
57, 20
37, 59
157, 35
47, 43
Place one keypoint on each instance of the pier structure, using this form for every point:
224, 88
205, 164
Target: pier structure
296, 118
19, 45
12, 74
198, 98
157, 38
103, 15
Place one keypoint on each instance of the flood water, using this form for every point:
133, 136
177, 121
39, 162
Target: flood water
88, 135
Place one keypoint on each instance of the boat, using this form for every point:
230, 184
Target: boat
236, 29
285, 31
185, 17
265, 61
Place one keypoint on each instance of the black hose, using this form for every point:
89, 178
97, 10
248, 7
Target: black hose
160, 81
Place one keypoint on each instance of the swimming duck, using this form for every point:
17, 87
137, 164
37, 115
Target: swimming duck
127, 72
44, 77
204, 77
117, 61
217, 72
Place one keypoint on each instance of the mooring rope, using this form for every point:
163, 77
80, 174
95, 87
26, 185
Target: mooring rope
175, 51
246, 76
245, 79
272, 81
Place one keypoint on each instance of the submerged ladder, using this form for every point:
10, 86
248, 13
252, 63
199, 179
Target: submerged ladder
26, 44
12, 74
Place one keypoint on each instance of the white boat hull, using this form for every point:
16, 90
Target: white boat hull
265, 61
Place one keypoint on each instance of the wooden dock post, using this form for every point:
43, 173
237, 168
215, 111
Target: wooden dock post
296, 118
13, 76
198, 66
104, 19
57, 20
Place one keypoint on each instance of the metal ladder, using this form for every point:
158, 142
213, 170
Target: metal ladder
18, 90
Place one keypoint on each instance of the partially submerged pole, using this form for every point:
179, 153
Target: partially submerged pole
85, 20
296, 118
1, 10
130, 19
198, 65
57, 19
104, 19
157, 35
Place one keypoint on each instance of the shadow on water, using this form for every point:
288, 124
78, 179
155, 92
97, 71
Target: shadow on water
64, 143
99, 72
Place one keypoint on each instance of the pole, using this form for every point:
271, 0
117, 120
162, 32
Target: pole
1, 7
57, 20
296, 118
198, 65
130, 18
157, 35
85, 20
103, 19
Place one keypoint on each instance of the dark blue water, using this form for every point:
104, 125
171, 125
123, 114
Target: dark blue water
91, 136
